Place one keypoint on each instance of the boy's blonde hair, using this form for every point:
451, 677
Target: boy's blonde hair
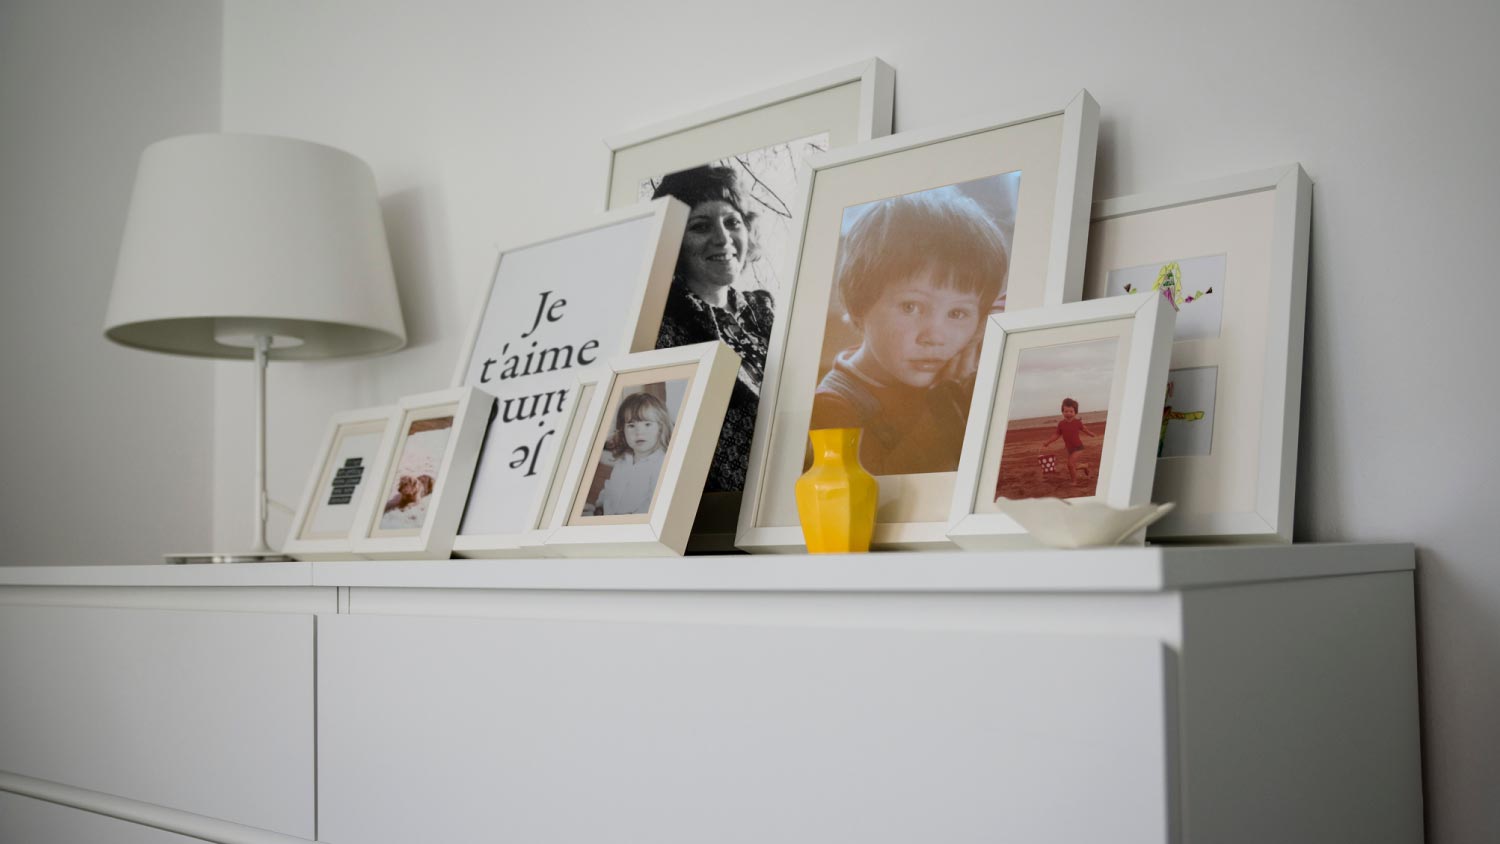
901, 237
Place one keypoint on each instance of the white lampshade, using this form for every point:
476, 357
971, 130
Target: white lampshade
230, 236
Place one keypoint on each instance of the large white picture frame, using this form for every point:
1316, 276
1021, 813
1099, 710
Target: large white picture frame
555, 309
415, 514
1133, 337
698, 379
351, 462
1053, 153
764, 138
1229, 448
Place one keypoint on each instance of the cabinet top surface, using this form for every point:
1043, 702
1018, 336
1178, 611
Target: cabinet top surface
1150, 569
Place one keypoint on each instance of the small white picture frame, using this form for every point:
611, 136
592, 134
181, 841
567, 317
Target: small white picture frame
637, 471
555, 310
351, 461
1043, 240
532, 540
1242, 241
1109, 353
413, 514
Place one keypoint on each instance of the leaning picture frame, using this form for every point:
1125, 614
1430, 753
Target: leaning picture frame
1234, 251
763, 139
636, 473
351, 460
555, 308
1056, 375
992, 211
421, 493
531, 541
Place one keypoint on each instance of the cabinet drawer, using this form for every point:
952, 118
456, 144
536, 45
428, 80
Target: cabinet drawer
208, 712
482, 729
27, 821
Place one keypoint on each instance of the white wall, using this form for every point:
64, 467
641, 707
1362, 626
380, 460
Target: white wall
483, 123
107, 451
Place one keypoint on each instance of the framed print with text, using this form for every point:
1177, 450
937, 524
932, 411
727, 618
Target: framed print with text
736, 166
636, 472
1233, 254
909, 243
1064, 407
555, 310
353, 453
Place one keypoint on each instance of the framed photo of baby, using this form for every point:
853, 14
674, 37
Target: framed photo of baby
427, 476
642, 453
909, 244
1064, 406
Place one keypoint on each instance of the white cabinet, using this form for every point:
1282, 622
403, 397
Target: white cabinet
1122, 695
27, 821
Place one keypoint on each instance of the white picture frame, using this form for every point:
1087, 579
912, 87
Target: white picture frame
1138, 336
1238, 482
531, 542
452, 423
568, 303
709, 371
364, 437
838, 108
1055, 150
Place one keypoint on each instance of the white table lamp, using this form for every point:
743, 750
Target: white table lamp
248, 246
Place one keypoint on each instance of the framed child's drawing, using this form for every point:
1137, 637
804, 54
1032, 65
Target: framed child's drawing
1063, 408
556, 309
350, 461
736, 167
1233, 254
642, 453
427, 476
909, 243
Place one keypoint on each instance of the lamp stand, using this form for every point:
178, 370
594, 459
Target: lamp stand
260, 552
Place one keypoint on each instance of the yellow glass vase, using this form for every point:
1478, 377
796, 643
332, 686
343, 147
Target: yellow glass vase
836, 497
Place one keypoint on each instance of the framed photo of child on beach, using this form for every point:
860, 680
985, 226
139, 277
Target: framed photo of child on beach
351, 459
642, 452
1063, 407
1233, 254
427, 477
909, 243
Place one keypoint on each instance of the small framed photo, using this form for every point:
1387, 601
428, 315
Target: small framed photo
736, 166
351, 459
636, 475
1064, 407
556, 309
1233, 255
427, 476
909, 243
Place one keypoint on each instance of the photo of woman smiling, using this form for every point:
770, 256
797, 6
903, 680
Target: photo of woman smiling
706, 301
916, 277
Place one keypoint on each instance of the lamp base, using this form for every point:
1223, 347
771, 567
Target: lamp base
217, 557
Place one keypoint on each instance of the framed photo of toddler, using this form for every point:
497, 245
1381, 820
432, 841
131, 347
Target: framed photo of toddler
354, 451
1233, 254
428, 471
909, 243
736, 166
1063, 408
643, 451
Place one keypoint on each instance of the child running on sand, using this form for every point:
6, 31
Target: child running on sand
1069, 429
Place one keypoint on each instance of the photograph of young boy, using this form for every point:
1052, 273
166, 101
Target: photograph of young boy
916, 277
1056, 418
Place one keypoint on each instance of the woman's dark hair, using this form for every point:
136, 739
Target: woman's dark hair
709, 183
